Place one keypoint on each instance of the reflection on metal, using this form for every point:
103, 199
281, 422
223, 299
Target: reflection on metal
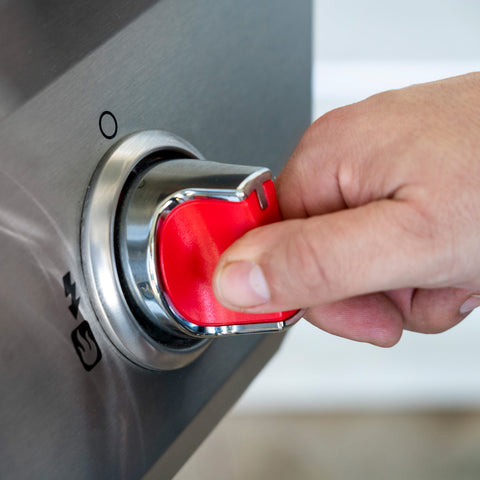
37, 44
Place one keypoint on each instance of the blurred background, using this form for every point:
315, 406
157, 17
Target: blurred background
328, 408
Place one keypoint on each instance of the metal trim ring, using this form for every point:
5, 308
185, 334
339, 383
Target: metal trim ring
98, 252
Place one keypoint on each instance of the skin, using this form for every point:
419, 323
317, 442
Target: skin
381, 201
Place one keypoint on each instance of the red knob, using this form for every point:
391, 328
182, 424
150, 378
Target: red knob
190, 241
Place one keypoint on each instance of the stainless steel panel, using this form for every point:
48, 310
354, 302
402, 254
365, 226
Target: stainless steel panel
233, 78
41, 40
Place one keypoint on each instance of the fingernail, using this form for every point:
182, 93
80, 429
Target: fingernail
470, 304
243, 285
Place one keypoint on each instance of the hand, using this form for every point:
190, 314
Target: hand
381, 201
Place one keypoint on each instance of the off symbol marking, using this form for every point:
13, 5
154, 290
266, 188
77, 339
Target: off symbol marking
108, 124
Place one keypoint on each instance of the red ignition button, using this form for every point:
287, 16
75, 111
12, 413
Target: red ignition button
190, 241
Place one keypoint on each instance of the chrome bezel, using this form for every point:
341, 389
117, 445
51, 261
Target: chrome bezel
115, 287
98, 251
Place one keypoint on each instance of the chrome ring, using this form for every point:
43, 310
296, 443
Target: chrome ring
98, 251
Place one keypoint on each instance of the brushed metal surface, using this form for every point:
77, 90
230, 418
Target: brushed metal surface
39, 41
233, 78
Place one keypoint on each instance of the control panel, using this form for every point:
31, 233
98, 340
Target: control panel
115, 358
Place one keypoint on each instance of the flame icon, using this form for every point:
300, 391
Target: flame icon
86, 346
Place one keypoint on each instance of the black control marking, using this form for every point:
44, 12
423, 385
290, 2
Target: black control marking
86, 346
108, 124
70, 289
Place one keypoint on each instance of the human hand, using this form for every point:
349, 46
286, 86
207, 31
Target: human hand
381, 201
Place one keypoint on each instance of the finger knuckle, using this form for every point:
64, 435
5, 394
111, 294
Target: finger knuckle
426, 234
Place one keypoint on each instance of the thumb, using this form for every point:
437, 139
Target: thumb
301, 263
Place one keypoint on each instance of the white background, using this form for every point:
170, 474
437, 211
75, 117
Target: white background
361, 48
